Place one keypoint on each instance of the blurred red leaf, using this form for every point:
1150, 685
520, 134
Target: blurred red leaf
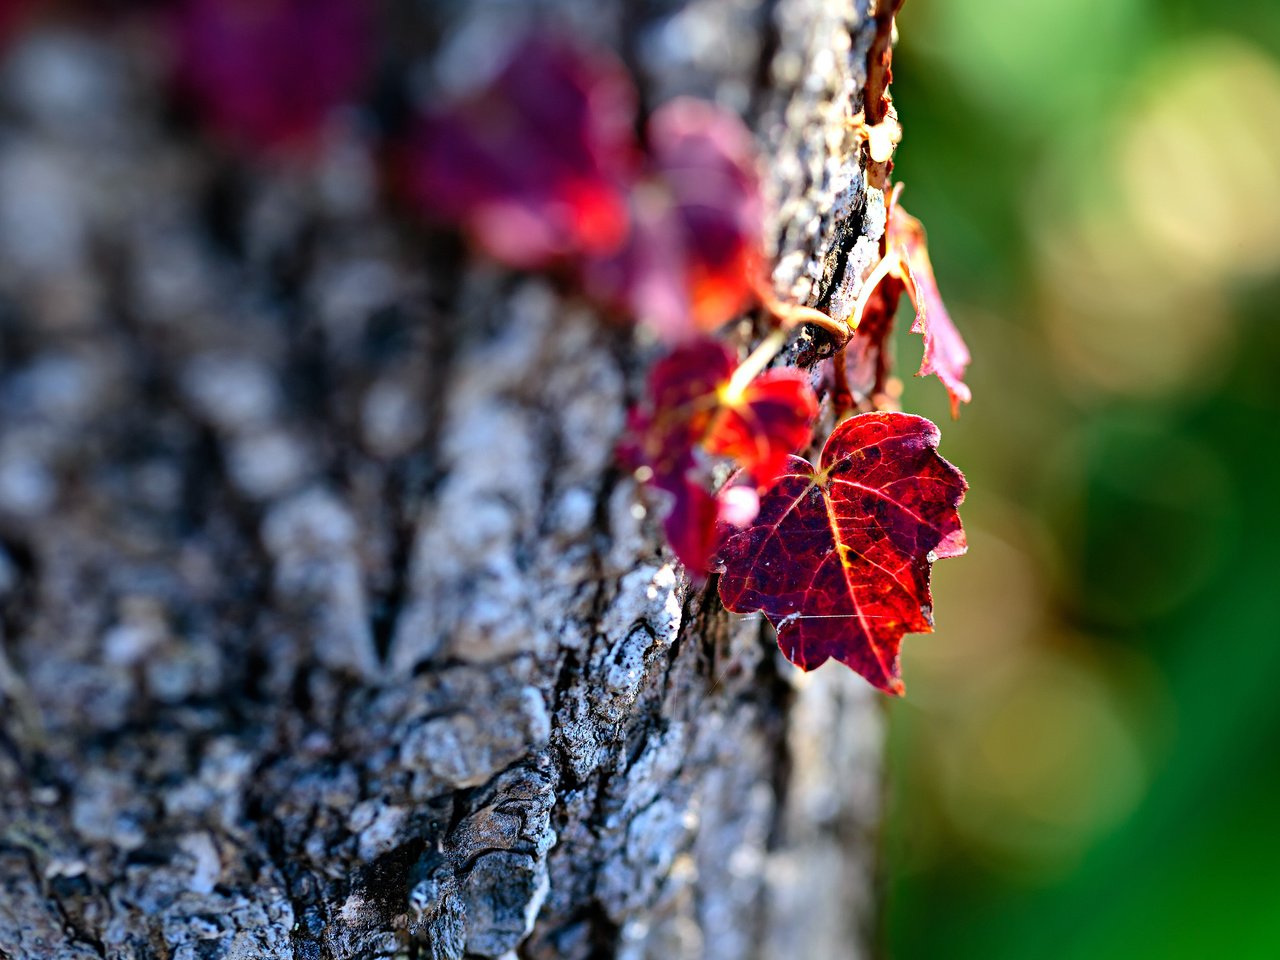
691, 522
693, 401
12, 14
694, 255
692, 406
268, 73
679, 405
759, 426
542, 167
535, 165
838, 556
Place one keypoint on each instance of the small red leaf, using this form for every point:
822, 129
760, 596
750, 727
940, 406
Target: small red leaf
268, 73
865, 359
694, 254
691, 522
535, 165
680, 404
772, 418
838, 557
945, 353
661, 440
905, 267
693, 402
693, 409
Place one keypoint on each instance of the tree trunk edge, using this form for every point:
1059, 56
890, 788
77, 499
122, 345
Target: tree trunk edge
300, 675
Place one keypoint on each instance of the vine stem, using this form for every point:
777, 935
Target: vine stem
755, 363
792, 315
842, 395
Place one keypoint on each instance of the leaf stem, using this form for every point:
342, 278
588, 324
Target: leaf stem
882, 269
755, 363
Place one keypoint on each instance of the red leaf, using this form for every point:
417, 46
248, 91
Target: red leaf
838, 557
661, 439
945, 353
535, 165
694, 254
905, 267
772, 418
679, 406
268, 73
866, 362
690, 524
694, 408
12, 15
693, 401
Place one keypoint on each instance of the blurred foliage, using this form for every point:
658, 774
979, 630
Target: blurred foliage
1085, 765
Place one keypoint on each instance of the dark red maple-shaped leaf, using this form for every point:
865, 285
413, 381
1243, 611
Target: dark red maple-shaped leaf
268, 73
693, 406
693, 259
838, 556
535, 164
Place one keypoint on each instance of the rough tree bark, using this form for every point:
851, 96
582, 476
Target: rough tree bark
329, 628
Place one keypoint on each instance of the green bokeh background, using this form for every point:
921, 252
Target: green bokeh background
1087, 764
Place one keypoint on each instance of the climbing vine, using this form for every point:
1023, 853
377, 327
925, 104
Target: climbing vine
542, 169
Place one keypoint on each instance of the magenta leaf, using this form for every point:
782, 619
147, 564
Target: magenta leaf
267, 74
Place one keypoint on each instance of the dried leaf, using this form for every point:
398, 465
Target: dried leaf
945, 353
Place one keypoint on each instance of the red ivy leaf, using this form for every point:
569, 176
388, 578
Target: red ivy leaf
535, 165
771, 418
945, 353
693, 406
838, 556
691, 522
542, 167
865, 360
268, 73
694, 253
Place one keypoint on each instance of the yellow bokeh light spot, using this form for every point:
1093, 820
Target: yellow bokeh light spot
1199, 158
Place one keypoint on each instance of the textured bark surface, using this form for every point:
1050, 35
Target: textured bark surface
328, 628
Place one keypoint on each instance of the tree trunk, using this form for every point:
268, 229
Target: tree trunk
329, 627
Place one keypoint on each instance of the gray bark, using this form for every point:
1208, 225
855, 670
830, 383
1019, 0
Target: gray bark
328, 627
